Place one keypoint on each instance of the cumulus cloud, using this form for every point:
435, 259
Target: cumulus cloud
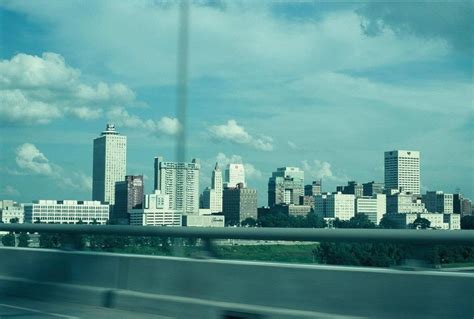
30, 160
41, 89
233, 132
321, 170
165, 125
251, 172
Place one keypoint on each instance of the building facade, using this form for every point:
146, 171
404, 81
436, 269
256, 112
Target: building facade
402, 171
336, 205
180, 181
128, 194
372, 188
234, 175
438, 202
373, 206
109, 164
313, 189
437, 221
285, 186
10, 210
204, 221
155, 211
404, 203
239, 203
66, 212
212, 197
353, 188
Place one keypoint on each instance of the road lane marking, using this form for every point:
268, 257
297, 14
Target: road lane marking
38, 311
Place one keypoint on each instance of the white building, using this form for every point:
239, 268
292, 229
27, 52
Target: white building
180, 181
438, 202
404, 203
66, 212
373, 206
109, 165
204, 221
212, 197
156, 211
336, 205
402, 171
11, 210
437, 221
234, 174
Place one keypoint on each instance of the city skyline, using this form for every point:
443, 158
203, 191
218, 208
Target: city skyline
282, 93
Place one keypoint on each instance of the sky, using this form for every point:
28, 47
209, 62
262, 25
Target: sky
324, 86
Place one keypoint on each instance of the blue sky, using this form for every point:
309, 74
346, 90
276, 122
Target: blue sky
324, 86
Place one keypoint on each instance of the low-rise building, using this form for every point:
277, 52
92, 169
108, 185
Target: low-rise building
373, 206
404, 203
204, 221
438, 202
239, 203
10, 210
437, 221
66, 212
336, 205
156, 211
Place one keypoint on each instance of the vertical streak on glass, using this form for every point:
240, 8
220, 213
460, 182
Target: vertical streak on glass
182, 89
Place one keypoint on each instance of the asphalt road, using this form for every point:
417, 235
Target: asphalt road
16, 308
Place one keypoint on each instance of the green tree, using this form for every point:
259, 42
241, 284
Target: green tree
8, 240
387, 223
467, 222
314, 220
14, 220
421, 223
23, 240
250, 222
360, 221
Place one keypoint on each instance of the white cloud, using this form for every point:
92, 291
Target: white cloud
251, 172
41, 89
9, 190
321, 170
233, 132
165, 125
30, 160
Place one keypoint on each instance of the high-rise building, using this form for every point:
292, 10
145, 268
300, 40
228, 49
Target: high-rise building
336, 205
212, 197
239, 203
234, 175
372, 188
128, 194
110, 161
402, 171
285, 186
373, 206
438, 202
180, 181
313, 189
66, 212
155, 211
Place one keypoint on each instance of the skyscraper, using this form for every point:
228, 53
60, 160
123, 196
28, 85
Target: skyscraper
212, 197
234, 175
285, 186
181, 182
128, 194
402, 171
109, 164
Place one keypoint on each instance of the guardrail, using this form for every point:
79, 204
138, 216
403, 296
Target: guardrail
283, 234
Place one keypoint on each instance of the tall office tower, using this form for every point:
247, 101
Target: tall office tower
402, 171
128, 194
372, 188
110, 161
438, 202
239, 203
313, 189
212, 197
234, 175
180, 181
285, 186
